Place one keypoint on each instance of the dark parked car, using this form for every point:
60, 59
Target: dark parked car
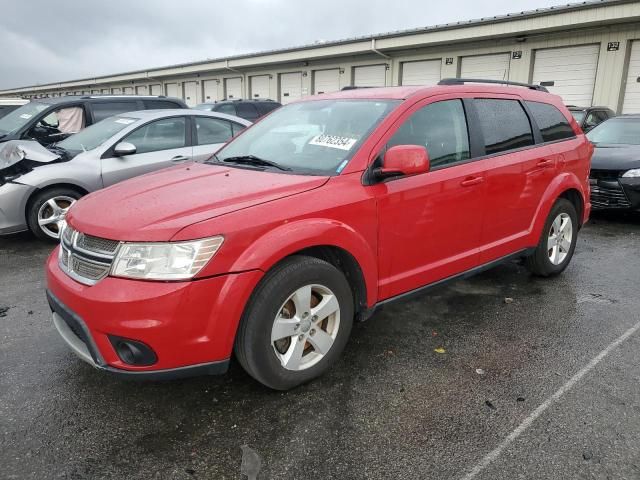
590, 117
615, 167
248, 109
49, 120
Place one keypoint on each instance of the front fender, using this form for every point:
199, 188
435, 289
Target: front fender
559, 185
292, 237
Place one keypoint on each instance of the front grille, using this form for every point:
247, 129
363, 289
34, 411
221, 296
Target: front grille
608, 197
85, 258
95, 244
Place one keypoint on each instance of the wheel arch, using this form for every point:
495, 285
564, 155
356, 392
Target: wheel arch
71, 186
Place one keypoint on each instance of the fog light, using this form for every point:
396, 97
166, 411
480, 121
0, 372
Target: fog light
133, 352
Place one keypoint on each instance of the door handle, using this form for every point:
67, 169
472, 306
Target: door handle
179, 159
470, 182
545, 163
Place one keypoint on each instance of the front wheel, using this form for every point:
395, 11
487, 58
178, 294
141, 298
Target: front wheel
296, 324
47, 211
558, 241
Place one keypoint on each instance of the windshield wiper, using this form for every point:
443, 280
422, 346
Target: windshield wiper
253, 160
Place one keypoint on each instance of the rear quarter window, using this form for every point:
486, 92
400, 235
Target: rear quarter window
552, 123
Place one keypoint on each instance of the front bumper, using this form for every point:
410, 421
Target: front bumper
190, 326
615, 193
13, 206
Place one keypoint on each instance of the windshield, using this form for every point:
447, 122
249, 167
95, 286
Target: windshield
316, 137
20, 117
578, 115
95, 135
617, 131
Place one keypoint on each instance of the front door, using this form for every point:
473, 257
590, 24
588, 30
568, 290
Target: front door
430, 224
159, 144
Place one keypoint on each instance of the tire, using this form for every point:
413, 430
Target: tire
546, 261
41, 208
274, 310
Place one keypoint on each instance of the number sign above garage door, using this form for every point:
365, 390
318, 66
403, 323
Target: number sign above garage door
569, 72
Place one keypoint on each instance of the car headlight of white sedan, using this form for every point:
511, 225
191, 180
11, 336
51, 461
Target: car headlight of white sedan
164, 261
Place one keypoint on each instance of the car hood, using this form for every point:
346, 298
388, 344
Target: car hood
616, 157
15, 151
156, 206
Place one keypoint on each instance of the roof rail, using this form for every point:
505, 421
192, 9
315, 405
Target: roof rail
462, 81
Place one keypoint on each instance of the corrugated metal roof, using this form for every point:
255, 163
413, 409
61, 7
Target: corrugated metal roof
398, 33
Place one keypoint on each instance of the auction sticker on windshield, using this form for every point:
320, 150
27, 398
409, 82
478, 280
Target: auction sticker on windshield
125, 121
333, 141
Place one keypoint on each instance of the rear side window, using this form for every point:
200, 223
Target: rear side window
441, 127
165, 134
552, 123
212, 130
266, 107
227, 108
504, 125
159, 104
102, 110
247, 110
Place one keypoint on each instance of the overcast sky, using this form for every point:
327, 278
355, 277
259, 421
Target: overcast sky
44, 41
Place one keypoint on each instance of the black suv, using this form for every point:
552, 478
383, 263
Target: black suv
590, 117
248, 109
49, 120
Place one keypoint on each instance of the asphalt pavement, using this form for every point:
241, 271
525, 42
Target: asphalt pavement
536, 379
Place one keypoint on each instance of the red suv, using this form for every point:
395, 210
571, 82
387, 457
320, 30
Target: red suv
318, 214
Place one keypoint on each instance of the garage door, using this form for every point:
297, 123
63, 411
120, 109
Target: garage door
116, 91
290, 87
172, 90
128, 90
210, 88
259, 86
486, 67
569, 72
105, 91
233, 87
370, 76
632, 90
191, 93
142, 90
156, 89
326, 81
421, 73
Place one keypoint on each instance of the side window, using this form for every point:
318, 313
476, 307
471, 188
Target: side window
504, 125
212, 130
440, 127
227, 108
102, 110
159, 104
237, 128
65, 120
247, 110
552, 123
162, 134
266, 107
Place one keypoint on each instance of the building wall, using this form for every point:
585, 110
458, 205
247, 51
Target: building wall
599, 25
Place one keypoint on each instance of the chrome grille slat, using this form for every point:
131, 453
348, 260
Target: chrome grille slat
608, 197
85, 258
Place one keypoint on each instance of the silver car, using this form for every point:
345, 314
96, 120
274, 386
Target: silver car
38, 184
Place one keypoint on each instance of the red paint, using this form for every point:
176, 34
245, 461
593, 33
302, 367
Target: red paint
404, 233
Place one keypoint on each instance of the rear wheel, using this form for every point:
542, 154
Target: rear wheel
47, 211
296, 324
558, 242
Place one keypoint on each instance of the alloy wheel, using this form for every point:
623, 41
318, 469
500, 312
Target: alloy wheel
52, 213
560, 238
305, 327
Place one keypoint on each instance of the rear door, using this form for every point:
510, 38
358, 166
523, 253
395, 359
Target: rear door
518, 173
209, 134
430, 224
159, 144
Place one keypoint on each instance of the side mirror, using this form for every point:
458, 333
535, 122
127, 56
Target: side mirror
404, 160
124, 148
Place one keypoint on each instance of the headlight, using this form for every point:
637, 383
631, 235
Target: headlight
635, 173
164, 261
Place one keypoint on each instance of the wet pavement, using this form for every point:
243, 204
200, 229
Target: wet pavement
392, 408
